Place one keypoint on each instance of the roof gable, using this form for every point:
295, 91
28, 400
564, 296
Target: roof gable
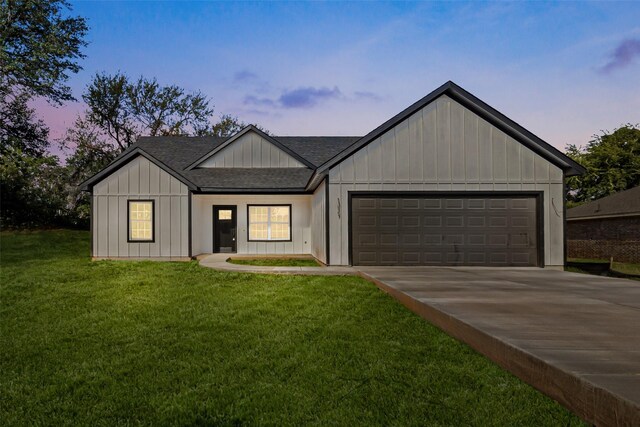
480, 108
127, 157
251, 147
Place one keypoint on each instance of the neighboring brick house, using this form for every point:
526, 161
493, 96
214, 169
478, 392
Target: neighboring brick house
605, 228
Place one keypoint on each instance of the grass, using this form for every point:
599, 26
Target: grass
626, 268
588, 260
128, 343
276, 262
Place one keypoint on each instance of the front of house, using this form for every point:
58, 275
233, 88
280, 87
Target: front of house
448, 181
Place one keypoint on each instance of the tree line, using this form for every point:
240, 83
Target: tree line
42, 46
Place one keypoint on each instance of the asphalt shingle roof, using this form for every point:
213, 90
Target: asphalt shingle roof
179, 152
622, 203
250, 178
317, 149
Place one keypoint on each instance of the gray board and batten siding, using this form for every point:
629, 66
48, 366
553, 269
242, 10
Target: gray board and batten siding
445, 147
251, 150
319, 223
140, 179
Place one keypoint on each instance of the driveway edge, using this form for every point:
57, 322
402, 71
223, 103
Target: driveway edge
593, 404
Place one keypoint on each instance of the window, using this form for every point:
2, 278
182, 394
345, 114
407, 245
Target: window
140, 221
270, 222
224, 214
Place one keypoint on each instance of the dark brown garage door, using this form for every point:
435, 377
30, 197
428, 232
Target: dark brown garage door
456, 230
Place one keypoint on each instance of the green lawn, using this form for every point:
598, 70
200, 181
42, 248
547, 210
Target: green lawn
276, 262
588, 260
626, 268
115, 343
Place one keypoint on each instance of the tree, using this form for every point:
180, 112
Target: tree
88, 152
119, 111
33, 192
168, 110
125, 110
612, 161
20, 129
226, 126
40, 47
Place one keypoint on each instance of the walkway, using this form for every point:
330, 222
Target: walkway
219, 262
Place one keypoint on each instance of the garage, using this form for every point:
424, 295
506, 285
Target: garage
481, 229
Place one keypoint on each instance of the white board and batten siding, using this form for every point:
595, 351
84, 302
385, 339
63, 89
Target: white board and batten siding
446, 147
319, 223
202, 220
251, 151
143, 180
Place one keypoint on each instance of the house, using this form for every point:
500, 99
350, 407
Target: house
447, 181
605, 228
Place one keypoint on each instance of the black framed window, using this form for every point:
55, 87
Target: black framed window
140, 224
269, 222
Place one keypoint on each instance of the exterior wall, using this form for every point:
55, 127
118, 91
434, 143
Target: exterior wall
319, 223
140, 179
251, 151
604, 238
446, 147
202, 223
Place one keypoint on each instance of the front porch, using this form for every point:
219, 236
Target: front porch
212, 234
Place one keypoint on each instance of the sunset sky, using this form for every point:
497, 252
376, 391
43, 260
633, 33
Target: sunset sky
563, 70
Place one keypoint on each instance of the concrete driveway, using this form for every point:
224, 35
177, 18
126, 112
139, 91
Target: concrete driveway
575, 337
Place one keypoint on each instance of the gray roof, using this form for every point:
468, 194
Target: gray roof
317, 149
275, 179
177, 153
184, 150
623, 203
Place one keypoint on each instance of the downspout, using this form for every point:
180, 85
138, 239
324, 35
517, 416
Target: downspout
326, 214
91, 218
190, 228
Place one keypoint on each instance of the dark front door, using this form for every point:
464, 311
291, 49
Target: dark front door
224, 228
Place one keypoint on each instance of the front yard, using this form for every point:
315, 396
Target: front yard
106, 343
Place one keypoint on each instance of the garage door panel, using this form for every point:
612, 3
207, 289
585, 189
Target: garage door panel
388, 203
433, 230
411, 204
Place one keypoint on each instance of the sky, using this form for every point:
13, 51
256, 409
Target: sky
563, 70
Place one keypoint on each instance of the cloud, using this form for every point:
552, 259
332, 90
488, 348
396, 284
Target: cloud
622, 56
254, 100
245, 76
364, 95
305, 97
302, 97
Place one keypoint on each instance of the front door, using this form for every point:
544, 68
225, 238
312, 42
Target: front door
224, 229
